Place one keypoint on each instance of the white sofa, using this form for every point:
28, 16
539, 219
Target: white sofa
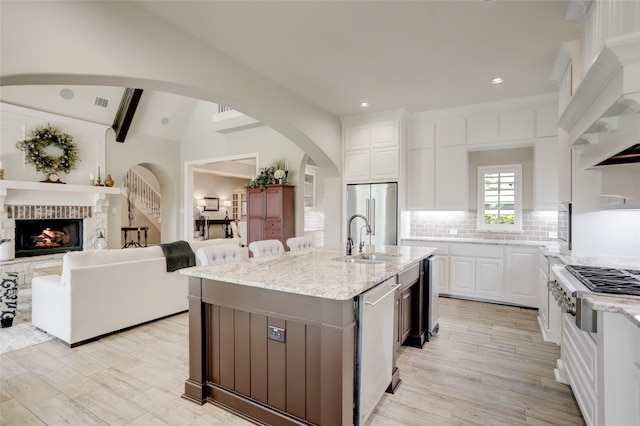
102, 291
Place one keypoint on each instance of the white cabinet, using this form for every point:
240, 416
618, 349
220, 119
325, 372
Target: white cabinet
451, 178
489, 274
357, 165
421, 179
372, 151
476, 270
549, 311
451, 131
471, 276
357, 137
421, 135
384, 163
310, 187
462, 275
483, 128
545, 173
385, 133
546, 120
521, 283
516, 124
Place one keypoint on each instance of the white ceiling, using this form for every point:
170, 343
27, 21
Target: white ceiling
418, 55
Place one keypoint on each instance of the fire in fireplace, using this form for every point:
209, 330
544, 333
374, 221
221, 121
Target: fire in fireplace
47, 236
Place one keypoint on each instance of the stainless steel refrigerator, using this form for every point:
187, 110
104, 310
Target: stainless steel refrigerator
378, 202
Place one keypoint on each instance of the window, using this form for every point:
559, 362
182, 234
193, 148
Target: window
500, 198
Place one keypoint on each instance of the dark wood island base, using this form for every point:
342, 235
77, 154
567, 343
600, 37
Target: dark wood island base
269, 356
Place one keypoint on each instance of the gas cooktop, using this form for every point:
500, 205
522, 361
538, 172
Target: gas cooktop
608, 280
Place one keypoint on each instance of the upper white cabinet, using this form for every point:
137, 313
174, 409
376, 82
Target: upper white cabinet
421, 135
451, 178
310, 187
385, 134
546, 117
451, 131
372, 150
357, 137
516, 124
546, 166
483, 128
421, 179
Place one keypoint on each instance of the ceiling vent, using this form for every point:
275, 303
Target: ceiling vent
101, 102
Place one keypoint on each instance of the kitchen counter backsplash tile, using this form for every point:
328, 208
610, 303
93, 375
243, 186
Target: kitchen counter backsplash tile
549, 246
536, 226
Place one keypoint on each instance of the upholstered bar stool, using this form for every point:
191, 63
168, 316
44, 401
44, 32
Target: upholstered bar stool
299, 243
218, 253
266, 247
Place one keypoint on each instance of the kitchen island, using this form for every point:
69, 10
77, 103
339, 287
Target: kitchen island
274, 338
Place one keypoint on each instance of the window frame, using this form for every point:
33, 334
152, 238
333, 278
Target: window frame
517, 211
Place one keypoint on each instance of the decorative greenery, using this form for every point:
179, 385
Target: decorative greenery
36, 150
269, 175
265, 177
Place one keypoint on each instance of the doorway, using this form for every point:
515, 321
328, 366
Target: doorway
209, 191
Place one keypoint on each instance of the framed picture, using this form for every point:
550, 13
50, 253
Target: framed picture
211, 204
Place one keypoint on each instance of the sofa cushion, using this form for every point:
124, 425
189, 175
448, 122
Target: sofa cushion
77, 259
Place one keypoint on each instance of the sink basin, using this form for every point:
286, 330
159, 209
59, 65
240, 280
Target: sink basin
368, 258
358, 259
378, 256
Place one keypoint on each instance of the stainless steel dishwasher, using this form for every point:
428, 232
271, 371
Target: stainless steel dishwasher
374, 347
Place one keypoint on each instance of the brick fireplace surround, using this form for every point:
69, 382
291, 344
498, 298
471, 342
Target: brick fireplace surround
25, 266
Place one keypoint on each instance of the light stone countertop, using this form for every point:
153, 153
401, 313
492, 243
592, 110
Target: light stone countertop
601, 261
629, 306
313, 272
482, 241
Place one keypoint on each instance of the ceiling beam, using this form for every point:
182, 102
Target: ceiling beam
126, 111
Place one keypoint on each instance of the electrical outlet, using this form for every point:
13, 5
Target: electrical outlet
553, 234
453, 231
277, 334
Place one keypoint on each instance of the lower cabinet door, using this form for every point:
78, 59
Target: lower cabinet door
489, 277
462, 275
405, 302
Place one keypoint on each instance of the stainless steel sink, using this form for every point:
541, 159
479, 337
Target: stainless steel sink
385, 257
358, 259
368, 258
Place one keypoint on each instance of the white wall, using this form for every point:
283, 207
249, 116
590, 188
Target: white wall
202, 144
596, 231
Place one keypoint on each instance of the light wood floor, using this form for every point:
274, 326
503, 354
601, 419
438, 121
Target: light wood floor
488, 366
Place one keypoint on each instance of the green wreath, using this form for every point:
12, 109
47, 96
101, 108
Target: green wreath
41, 139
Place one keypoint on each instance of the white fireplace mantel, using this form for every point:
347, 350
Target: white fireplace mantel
15, 192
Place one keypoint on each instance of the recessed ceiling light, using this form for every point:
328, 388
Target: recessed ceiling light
497, 80
66, 94
165, 120
364, 104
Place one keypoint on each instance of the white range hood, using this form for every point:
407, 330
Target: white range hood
603, 116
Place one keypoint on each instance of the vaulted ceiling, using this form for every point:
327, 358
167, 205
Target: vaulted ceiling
419, 55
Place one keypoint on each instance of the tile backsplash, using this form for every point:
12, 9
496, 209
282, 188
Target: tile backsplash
536, 226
